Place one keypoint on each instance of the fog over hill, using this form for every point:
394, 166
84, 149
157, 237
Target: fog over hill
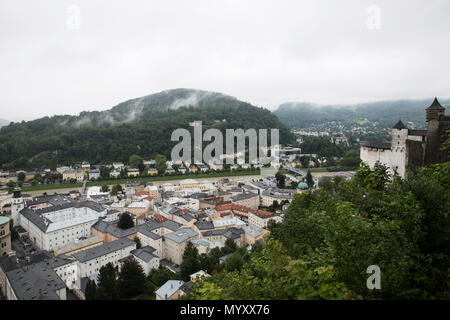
140, 126
3, 122
303, 114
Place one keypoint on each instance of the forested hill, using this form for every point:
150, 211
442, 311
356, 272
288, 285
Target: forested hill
140, 126
386, 113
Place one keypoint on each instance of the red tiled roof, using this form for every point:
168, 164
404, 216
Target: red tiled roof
224, 207
241, 208
142, 193
264, 213
233, 206
160, 218
240, 214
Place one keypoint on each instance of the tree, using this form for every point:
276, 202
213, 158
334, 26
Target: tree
326, 183
135, 161
131, 279
190, 263
138, 242
281, 179
116, 188
327, 240
21, 177
11, 184
91, 289
160, 276
107, 283
160, 161
104, 172
105, 188
229, 247
38, 177
271, 274
148, 291
125, 221
309, 179
234, 263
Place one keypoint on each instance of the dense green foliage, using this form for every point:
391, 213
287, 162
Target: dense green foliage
107, 283
131, 280
138, 242
141, 126
329, 238
160, 162
90, 291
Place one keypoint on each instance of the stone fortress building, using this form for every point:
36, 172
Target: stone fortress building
411, 149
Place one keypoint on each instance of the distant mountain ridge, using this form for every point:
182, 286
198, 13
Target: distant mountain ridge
3, 122
387, 113
140, 126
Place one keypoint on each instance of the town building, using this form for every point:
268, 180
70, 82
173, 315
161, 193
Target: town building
55, 221
221, 236
8, 263
246, 199
5, 236
175, 243
275, 194
91, 260
145, 257
253, 234
94, 174
38, 277
169, 290
133, 172
261, 218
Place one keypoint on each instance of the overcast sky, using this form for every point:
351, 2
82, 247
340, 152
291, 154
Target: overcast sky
54, 61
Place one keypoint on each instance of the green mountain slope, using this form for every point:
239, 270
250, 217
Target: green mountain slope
386, 113
140, 126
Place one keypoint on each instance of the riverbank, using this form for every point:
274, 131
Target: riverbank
158, 180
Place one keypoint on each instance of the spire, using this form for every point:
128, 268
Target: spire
436, 105
399, 125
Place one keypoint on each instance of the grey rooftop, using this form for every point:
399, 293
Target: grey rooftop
103, 249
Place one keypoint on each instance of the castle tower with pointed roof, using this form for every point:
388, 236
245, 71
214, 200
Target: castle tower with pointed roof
437, 133
411, 149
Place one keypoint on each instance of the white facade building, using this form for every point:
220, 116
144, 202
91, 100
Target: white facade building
91, 260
